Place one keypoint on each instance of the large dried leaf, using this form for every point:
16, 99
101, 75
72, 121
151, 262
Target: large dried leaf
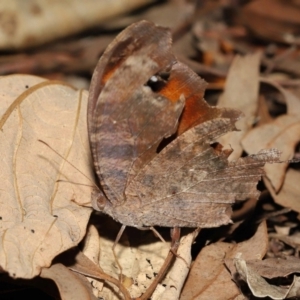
40, 217
241, 92
29, 23
209, 276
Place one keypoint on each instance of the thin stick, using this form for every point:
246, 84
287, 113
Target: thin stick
175, 235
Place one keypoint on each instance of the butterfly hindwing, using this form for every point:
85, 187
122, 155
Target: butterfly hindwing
190, 184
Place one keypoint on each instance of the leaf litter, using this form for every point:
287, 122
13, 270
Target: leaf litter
38, 221
276, 256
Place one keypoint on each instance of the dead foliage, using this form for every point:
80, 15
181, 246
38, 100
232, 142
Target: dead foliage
247, 52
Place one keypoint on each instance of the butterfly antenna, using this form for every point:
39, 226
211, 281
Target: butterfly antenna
89, 179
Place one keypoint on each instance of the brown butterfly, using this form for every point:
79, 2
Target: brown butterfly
138, 95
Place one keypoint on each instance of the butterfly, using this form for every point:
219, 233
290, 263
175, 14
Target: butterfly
142, 98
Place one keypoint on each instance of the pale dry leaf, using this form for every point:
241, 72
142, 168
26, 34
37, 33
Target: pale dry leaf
258, 285
292, 101
34, 22
288, 196
241, 92
209, 276
170, 288
294, 291
240, 297
167, 14
91, 249
283, 133
91, 243
12, 87
283, 230
70, 285
275, 266
41, 217
263, 114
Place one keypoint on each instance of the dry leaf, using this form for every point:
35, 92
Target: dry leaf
275, 267
30, 23
70, 285
282, 133
91, 250
171, 286
273, 20
81, 264
260, 287
209, 276
288, 196
292, 240
241, 92
165, 13
40, 217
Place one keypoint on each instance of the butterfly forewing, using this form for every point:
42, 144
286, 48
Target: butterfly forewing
129, 120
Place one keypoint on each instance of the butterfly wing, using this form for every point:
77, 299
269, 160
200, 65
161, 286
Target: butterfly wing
191, 184
127, 119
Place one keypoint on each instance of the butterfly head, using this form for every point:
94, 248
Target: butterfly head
99, 201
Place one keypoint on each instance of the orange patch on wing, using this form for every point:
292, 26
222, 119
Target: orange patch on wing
195, 106
110, 70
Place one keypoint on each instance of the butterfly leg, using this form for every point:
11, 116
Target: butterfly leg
175, 235
114, 246
156, 233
